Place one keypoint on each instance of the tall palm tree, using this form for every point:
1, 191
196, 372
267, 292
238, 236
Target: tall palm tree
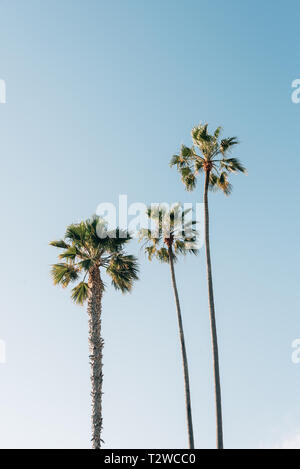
213, 160
86, 254
173, 236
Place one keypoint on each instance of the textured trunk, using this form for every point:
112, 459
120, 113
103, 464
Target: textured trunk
96, 349
213, 320
184, 358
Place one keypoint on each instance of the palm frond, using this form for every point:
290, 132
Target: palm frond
64, 273
59, 244
69, 253
200, 134
145, 234
199, 166
186, 152
233, 165
86, 264
190, 182
224, 184
193, 251
185, 172
217, 132
76, 232
80, 293
150, 250
175, 160
123, 270
213, 182
227, 144
179, 247
101, 239
181, 160
162, 255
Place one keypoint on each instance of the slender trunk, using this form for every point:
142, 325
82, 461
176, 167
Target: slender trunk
184, 357
213, 320
95, 350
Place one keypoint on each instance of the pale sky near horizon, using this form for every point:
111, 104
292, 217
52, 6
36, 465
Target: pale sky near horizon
99, 96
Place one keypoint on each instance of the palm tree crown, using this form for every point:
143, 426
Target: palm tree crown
213, 158
174, 232
84, 250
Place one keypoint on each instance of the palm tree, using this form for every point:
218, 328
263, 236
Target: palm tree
85, 253
173, 236
213, 160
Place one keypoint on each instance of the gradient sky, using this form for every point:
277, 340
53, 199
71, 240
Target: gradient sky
100, 95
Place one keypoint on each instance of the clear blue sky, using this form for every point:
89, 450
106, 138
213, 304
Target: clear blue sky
99, 96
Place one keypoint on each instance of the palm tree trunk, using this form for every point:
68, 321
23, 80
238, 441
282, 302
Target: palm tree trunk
96, 350
213, 320
184, 357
